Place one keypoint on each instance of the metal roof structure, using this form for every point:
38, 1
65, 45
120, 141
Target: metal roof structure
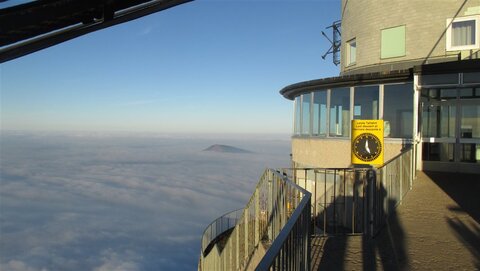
32, 26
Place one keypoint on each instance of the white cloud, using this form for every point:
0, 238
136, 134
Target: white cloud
145, 31
96, 203
111, 261
15, 265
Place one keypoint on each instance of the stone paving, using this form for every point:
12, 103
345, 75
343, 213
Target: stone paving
437, 227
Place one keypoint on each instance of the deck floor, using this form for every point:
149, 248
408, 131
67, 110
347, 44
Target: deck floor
437, 227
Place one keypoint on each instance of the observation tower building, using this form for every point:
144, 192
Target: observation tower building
410, 67
414, 65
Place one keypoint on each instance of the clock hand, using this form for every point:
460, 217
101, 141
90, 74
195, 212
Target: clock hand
366, 147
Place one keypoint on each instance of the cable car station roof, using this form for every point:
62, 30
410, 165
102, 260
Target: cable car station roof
35, 25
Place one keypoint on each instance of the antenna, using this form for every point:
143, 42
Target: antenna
335, 42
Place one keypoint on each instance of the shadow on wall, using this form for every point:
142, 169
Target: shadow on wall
336, 253
443, 33
472, 54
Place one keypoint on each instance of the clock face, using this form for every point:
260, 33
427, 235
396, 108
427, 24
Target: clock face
366, 147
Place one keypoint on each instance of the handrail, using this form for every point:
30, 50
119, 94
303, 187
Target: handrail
393, 181
265, 216
301, 213
275, 226
339, 195
396, 157
216, 229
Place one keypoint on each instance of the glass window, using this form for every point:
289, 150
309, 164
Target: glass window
470, 153
439, 94
393, 42
429, 121
366, 103
438, 152
439, 79
306, 99
469, 93
319, 118
298, 113
448, 94
351, 52
470, 124
462, 33
340, 112
447, 120
439, 121
398, 110
471, 77
438, 113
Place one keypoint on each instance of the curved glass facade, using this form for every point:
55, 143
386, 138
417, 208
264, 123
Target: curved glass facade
328, 112
319, 113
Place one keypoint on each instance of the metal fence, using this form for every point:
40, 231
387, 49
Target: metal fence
273, 230
392, 182
355, 200
337, 205
291, 248
218, 228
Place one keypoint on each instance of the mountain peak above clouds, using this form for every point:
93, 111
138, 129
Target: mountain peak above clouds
225, 149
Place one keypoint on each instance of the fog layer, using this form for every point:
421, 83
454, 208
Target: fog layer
120, 202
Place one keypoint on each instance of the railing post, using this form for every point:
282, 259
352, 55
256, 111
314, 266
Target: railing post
257, 218
412, 167
371, 188
400, 196
237, 249
245, 236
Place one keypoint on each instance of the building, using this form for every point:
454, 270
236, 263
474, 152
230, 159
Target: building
419, 72
413, 64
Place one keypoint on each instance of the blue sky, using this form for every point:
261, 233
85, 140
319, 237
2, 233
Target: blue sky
202, 67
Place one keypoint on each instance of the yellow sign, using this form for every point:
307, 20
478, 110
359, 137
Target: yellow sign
367, 142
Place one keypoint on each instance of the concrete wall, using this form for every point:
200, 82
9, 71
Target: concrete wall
321, 152
425, 22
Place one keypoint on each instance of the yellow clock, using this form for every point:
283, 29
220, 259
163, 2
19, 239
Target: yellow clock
367, 147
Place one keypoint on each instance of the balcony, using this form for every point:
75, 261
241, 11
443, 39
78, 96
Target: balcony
289, 207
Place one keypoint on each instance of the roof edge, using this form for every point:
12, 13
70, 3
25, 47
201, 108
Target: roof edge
290, 91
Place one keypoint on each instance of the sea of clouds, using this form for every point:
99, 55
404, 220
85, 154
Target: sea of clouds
120, 201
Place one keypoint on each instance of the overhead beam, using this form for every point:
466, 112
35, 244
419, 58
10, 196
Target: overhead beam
34, 44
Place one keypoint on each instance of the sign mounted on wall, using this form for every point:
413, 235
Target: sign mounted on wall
367, 142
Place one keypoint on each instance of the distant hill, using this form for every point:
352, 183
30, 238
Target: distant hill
225, 148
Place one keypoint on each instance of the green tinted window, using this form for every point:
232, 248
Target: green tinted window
393, 42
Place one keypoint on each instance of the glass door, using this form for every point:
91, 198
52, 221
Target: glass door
451, 125
439, 112
469, 125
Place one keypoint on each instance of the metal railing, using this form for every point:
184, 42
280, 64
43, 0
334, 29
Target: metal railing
392, 182
291, 248
273, 230
337, 205
346, 200
218, 228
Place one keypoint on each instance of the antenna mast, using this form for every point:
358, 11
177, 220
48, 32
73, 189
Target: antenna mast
335, 42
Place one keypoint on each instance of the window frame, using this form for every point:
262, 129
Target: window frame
330, 93
451, 21
349, 52
316, 119
306, 124
383, 46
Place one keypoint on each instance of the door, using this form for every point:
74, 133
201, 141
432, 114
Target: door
451, 129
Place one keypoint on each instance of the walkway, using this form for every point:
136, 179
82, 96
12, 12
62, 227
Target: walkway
437, 227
